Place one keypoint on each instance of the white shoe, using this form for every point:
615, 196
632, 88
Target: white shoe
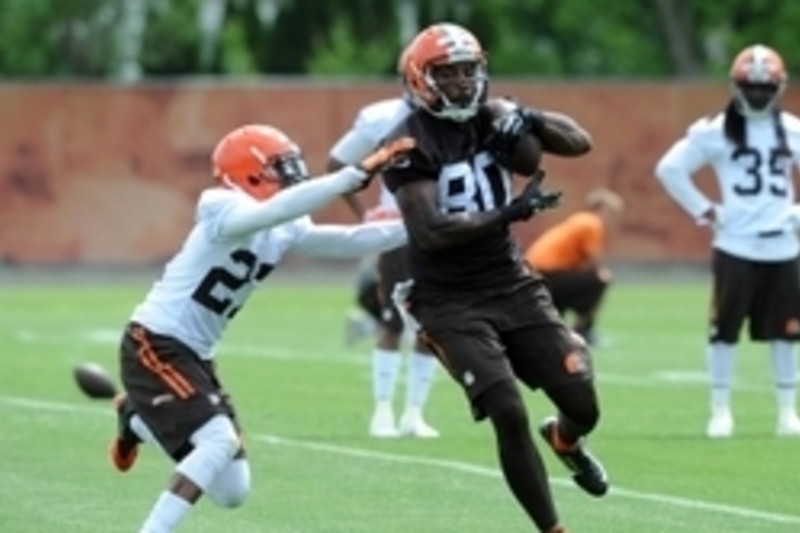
413, 425
720, 426
788, 425
382, 424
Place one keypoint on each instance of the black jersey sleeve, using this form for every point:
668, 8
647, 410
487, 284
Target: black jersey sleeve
421, 162
416, 166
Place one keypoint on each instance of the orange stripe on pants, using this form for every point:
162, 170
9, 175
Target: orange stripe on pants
174, 380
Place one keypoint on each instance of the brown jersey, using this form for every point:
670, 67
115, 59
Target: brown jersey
453, 155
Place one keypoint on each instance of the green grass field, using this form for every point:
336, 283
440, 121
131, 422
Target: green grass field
304, 399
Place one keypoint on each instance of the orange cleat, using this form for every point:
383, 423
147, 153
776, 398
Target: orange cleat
125, 445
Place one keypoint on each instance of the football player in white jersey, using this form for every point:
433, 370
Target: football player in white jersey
752, 146
244, 224
372, 124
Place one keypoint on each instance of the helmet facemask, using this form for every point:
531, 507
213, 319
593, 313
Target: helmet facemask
758, 79
290, 168
277, 172
458, 88
754, 99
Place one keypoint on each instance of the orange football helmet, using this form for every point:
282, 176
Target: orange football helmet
758, 78
444, 70
259, 160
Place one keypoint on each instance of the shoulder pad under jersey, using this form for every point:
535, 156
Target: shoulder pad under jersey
376, 120
706, 130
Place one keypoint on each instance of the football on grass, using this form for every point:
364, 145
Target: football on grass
527, 154
94, 381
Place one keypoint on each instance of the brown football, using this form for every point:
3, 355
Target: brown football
94, 381
527, 154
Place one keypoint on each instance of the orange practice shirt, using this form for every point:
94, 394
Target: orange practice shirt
569, 244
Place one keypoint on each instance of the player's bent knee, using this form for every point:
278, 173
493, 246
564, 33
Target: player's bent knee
215, 444
231, 488
584, 411
578, 402
586, 416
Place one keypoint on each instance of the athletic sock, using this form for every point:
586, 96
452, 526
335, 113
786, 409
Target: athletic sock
385, 368
166, 514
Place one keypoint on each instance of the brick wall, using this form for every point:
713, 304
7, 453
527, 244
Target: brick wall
104, 174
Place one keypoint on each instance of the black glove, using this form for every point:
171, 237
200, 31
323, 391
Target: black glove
531, 201
509, 128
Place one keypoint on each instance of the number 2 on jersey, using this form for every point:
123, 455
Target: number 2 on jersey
213, 293
774, 181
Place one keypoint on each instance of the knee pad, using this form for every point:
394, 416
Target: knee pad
232, 486
215, 445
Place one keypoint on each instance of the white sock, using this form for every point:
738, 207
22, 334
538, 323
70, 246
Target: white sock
167, 513
421, 371
784, 369
385, 367
721, 364
142, 431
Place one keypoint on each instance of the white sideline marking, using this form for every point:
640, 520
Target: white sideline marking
680, 378
478, 470
457, 466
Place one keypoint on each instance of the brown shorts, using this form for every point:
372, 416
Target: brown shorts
485, 338
171, 388
767, 295
579, 290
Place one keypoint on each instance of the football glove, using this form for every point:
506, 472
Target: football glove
509, 128
531, 200
386, 155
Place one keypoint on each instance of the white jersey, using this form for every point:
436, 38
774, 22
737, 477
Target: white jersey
208, 280
212, 276
373, 123
755, 183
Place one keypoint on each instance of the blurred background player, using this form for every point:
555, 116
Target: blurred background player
570, 257
244, 225
487, 316
752, 146
362, 321
372, 124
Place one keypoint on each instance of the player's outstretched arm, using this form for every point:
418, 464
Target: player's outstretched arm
562, 135
331, 240
559, 133
435, 230
248, 216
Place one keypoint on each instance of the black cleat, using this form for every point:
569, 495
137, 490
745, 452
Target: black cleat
587, 472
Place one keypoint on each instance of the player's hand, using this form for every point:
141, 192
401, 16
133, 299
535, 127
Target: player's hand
531, 200
710, 217
509, 128
386, 155
512, 125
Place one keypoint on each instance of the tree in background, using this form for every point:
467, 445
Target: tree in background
129, 40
